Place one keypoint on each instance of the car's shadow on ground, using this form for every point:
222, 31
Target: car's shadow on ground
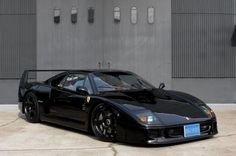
90, 135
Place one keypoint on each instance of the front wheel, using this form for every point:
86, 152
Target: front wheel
31, 108
103, 123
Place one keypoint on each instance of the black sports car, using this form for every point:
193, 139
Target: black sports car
116, 105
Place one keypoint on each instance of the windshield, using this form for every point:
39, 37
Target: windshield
112, 81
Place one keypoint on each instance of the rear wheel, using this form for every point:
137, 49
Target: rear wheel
103, 123
31, 108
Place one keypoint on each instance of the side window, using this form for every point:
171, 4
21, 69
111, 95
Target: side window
57, 82
73, 81
68, 82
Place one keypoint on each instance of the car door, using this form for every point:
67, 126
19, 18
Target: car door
66, 102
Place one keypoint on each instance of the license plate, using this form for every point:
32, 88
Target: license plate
191, 130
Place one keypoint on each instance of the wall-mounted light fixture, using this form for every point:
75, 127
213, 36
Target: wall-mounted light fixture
133, 15
116, 15
74, 14
91, 13
57, 16
151, 15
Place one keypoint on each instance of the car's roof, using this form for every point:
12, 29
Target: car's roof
88, 71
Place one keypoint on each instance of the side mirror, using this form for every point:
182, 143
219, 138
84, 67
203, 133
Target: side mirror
82, 90
162, 85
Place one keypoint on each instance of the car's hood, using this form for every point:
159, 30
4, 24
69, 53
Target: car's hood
168, 106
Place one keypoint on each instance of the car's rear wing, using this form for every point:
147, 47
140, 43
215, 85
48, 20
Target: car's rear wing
26, 75
31, 75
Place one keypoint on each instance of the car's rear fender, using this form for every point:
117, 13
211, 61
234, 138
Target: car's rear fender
31, 89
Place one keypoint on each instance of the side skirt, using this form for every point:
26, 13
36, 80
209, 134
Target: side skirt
65, 122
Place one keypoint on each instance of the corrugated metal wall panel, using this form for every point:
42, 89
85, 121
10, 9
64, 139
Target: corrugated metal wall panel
203, 6
17, 37
201, 42
17, 6
17, 45
27, 43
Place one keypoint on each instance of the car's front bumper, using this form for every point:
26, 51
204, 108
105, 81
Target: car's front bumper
175, 134
170, 134
163, 140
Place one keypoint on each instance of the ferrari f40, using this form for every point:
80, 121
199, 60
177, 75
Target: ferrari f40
115, 105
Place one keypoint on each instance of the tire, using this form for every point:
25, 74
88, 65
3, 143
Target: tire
31, 108
104, 123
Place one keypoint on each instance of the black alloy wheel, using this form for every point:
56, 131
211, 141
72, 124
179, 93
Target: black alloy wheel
103, 123
31, 108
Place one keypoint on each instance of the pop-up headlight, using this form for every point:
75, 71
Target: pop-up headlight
147, 118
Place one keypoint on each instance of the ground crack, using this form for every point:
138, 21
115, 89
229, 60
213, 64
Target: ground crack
7, 124
52, 149
115, 152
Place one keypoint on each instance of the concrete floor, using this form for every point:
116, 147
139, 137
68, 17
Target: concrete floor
18, 137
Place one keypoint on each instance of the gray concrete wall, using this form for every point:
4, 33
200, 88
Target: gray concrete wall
143, 48
66, 45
